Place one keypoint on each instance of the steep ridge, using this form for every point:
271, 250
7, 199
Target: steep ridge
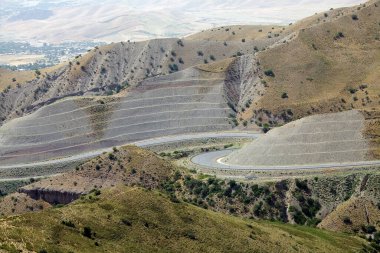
330, 66
107, 69
318, 139
187, 101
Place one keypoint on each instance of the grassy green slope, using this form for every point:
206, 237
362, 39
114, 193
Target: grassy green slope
125, 219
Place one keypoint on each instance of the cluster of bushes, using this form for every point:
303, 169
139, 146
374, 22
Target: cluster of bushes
178, 154
232, 196
309, 206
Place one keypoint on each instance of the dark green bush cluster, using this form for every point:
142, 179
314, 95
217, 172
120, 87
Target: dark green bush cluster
87, 232
173, 67
302, 185
68, 223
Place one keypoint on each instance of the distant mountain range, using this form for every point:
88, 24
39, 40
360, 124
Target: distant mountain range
112, 21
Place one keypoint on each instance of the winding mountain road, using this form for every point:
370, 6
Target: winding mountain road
142, 143
214, 160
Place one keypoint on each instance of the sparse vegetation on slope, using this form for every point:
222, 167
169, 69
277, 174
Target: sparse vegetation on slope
136, 220
320, 66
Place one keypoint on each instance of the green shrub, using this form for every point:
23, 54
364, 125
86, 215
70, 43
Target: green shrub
302, 185
338, 35
68, 223
173, 67
313, 222
269, 72
370, 229
87, 232
111, 156
266, 128
347, 220
299, 218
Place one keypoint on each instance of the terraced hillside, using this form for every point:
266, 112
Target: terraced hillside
283, 75
107, 69
318, 139
187, 101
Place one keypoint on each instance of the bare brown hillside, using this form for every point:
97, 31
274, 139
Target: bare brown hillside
330, 66
107, 70
128, 166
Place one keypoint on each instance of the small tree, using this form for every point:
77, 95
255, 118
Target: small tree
284, 95
269, 72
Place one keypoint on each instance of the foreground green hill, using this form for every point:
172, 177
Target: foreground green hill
125, 219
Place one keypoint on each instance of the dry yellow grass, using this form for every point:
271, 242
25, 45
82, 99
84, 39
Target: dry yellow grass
10, 78
351, 215
18, 203
317, 71
237, 33
217, 67
124, 219
128, 165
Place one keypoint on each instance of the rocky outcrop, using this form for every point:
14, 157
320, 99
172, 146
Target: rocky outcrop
53, 197
243, 82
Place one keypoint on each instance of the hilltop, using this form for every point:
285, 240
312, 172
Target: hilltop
331, 66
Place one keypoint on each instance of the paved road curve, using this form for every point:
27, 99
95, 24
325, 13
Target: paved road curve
142, 143
214, 160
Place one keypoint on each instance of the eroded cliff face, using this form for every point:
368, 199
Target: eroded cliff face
51, 196
243, 81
